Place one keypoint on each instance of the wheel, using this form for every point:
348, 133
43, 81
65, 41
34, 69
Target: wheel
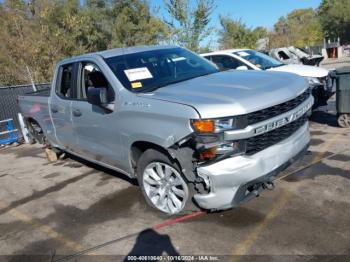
31, 139
344, 120
161, 182
36, 133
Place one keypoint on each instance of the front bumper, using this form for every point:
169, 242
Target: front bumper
230, 178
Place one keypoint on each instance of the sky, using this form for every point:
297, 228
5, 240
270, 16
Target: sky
253, 12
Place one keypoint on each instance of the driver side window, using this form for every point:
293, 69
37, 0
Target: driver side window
225, 62
91, 77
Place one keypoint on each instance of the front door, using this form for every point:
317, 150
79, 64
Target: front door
94, 126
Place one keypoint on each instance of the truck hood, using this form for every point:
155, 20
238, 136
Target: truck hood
232, 92
302, 70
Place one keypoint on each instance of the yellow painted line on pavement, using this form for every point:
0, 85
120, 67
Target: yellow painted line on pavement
43, 228
245, 245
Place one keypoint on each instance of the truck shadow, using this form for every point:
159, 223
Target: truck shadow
324, 118
25, 151
320, 169
73, 161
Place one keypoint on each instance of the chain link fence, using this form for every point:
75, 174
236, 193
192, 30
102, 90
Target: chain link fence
8, 103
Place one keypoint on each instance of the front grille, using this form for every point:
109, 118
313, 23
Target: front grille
261, 142
276, 110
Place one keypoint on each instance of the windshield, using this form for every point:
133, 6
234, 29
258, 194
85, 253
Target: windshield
258, 59
147, 71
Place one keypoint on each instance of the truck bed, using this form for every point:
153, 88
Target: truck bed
44, 92
35, 106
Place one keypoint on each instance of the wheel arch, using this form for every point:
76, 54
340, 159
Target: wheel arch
139, 147
181, 156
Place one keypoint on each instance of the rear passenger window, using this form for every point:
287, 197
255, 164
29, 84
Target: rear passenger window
65, 88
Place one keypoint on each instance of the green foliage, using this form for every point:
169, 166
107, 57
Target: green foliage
335, 19
189, 26
135, 25
235, 34
299, 28
36, 34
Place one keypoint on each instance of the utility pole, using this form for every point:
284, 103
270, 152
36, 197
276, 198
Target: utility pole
31, 79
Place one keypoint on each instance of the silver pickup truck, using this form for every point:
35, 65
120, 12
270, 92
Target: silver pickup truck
166, 116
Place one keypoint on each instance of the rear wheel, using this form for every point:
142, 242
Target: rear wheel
344, 120
161, 182
36, 133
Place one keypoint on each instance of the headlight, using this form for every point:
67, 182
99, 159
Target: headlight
313, 81
210, 142
214, 125
228, 149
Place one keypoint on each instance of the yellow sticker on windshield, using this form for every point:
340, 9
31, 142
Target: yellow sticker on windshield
136, 85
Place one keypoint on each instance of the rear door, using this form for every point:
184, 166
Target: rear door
61, 106
95, 127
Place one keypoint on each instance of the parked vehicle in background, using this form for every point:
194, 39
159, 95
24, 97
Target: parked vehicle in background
319, 79
169, 118
343, 96
295, 55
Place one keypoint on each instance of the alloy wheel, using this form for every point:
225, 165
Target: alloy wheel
165, 187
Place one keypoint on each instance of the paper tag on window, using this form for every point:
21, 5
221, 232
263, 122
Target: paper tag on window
243, 54
138, 74
136, 84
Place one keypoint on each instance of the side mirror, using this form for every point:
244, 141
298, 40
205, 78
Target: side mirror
242, 68
98, 96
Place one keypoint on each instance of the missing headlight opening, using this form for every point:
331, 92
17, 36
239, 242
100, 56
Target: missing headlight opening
200, 150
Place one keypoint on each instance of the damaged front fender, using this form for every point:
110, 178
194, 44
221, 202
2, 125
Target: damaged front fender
185, 153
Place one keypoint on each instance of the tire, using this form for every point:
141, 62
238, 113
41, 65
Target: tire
344, 120
36, 133
31, 139
163, 185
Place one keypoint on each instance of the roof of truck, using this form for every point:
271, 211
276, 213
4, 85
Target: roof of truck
121, 51
134, 49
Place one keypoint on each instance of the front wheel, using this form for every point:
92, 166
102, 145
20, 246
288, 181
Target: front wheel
162, 183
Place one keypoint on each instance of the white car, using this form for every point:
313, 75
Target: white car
245, 59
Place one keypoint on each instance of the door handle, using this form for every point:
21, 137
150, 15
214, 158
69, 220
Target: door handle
76, 112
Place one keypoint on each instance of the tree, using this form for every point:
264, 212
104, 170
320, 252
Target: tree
235, 34
189, 26
16, 43
300, 28
335, 19
35, 34
135, 25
